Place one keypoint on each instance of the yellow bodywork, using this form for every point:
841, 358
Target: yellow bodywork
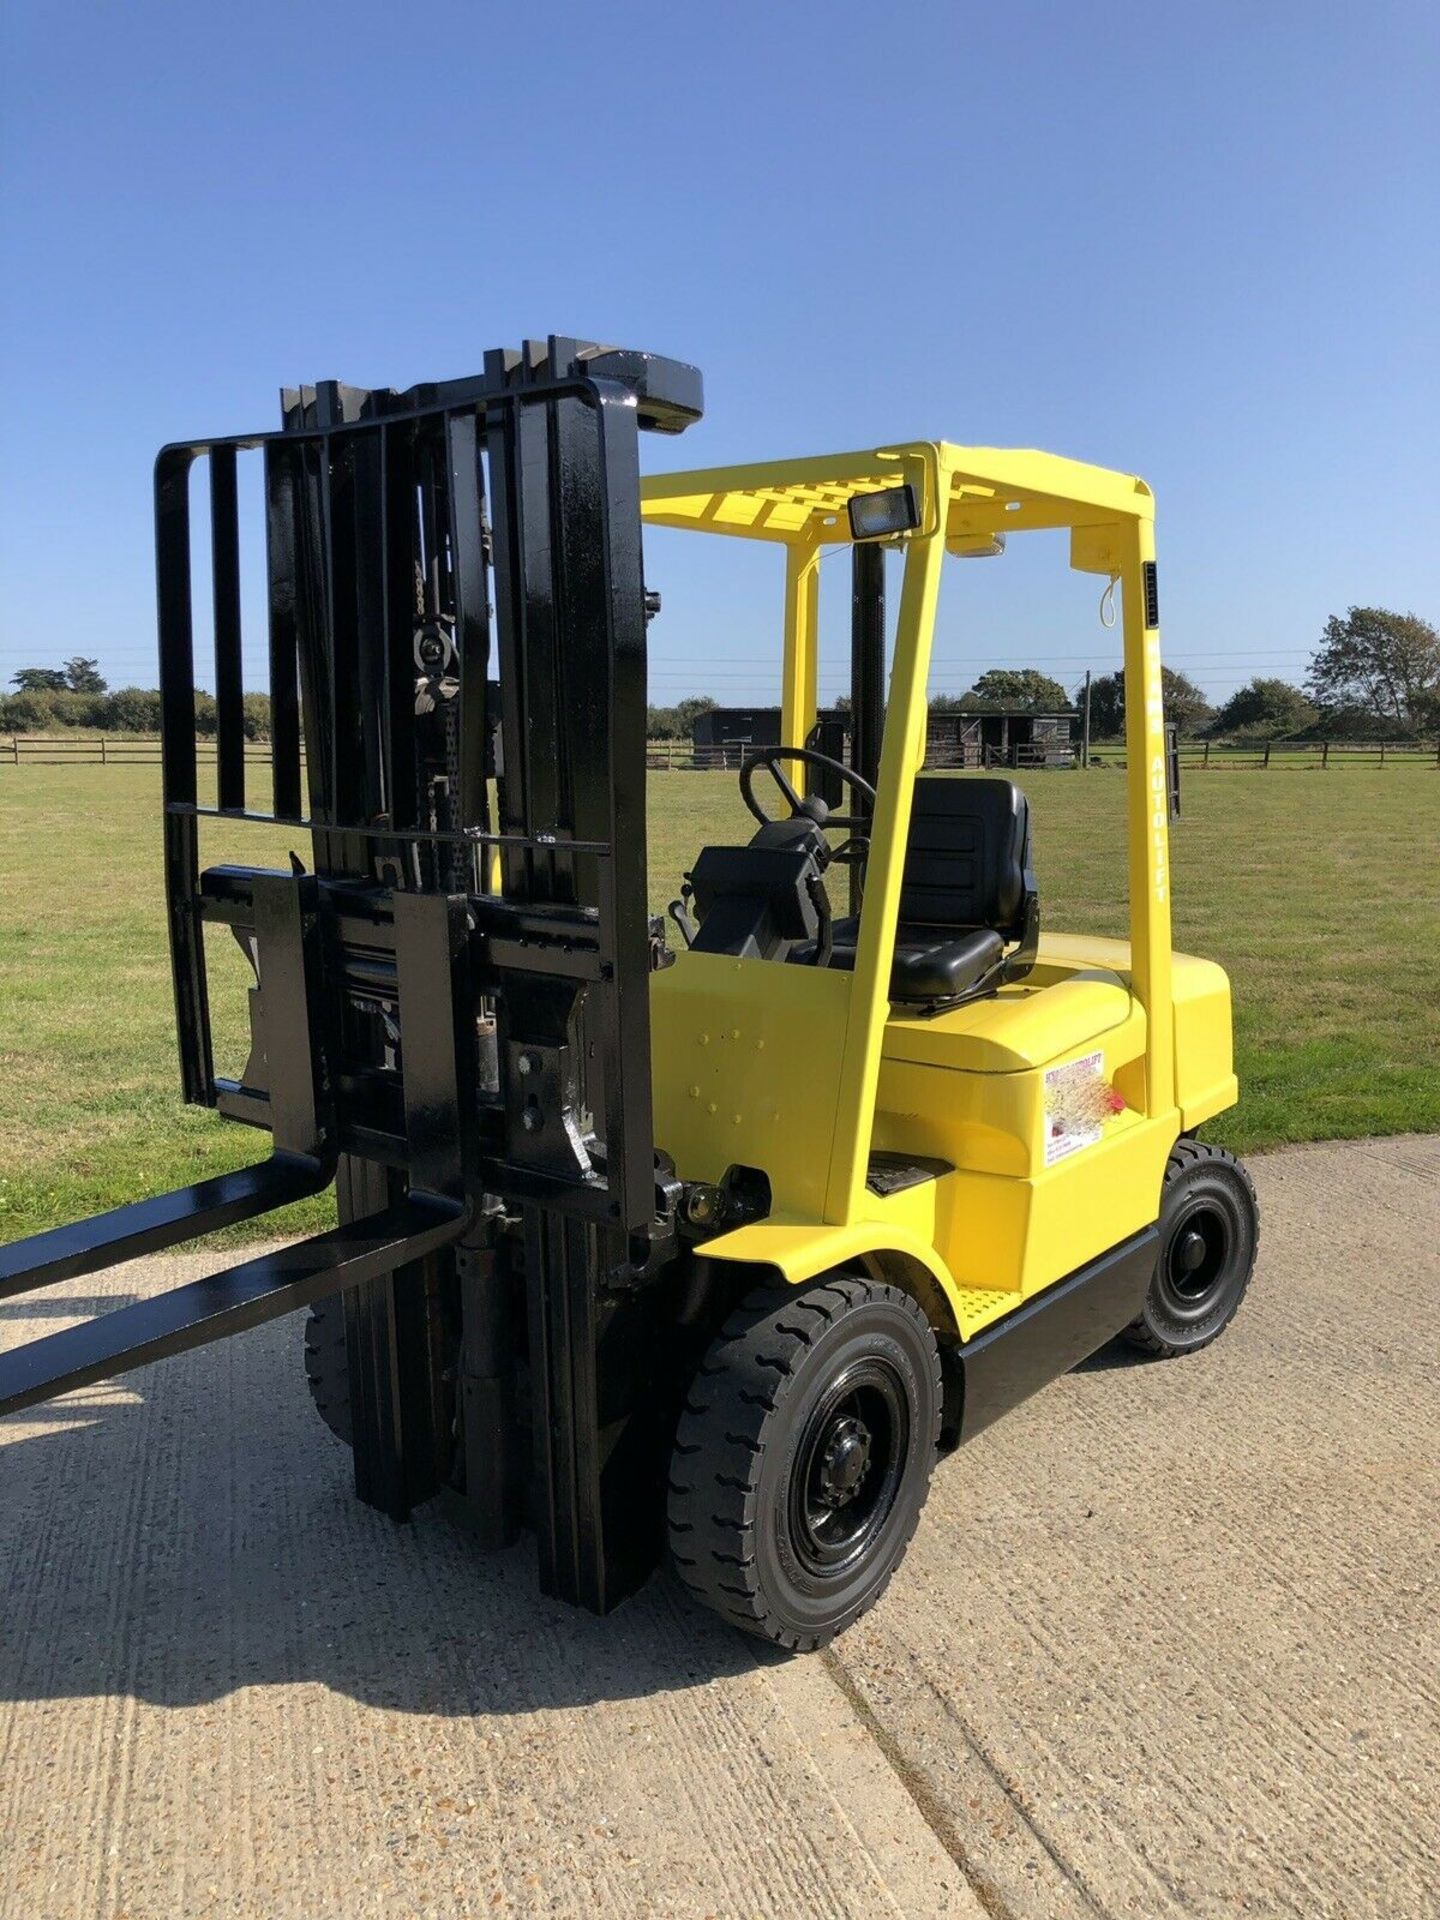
804, 1072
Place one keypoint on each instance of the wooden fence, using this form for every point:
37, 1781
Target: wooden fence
107, 750
1208, 756
679, 756
1195, 755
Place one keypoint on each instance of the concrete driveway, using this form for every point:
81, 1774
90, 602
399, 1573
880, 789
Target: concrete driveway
1165, 1644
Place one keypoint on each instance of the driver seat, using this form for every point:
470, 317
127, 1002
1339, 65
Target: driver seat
969, 918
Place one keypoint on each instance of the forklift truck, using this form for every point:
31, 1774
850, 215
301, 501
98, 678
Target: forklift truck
723, 1228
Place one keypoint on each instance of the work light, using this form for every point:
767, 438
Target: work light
880, 516
976, 546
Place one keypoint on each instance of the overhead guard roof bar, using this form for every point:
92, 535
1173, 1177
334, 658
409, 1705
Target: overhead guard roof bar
803, 501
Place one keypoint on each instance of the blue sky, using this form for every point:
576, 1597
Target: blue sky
1194, 242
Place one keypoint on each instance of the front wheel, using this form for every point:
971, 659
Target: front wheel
804, 1455
1209, 1236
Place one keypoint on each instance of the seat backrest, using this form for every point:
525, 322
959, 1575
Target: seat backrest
967, 860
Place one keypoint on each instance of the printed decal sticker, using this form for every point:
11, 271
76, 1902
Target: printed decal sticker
1078, 1102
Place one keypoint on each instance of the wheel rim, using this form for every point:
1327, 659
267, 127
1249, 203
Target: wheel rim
1199, 1258
848, 1468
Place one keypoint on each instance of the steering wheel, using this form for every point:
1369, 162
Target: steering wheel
802, 809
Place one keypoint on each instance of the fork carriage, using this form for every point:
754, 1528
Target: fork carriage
417, 1038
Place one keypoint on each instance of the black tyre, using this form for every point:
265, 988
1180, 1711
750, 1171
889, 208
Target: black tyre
803, 1457
327, 1366
1209, 1236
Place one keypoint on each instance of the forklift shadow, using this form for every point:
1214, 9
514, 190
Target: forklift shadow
210, 1522
1114, 1354
44, 1306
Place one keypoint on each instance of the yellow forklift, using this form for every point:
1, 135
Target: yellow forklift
735, 1230
977, 1139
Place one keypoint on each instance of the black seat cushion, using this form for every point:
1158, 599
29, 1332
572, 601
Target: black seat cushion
946, 968
941, 966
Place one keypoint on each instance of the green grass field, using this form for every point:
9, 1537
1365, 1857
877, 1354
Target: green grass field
1319, 892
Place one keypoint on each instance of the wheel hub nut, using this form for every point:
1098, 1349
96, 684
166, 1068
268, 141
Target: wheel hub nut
1190, 1251
845, 1462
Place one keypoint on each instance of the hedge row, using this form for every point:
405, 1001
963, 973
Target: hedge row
127, 710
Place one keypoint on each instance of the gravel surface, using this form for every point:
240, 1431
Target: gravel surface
1165, 1645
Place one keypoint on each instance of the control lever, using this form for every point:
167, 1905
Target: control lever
679, 911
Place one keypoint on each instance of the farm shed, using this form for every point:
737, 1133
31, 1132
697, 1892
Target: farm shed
1009, 738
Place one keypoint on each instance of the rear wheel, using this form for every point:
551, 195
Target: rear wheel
1209, 1235
803, 1457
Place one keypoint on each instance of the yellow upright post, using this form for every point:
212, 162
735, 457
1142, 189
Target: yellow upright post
800, 673
901, 756
1148, 812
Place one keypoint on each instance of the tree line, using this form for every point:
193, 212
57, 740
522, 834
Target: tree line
78, 695
1375, 673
